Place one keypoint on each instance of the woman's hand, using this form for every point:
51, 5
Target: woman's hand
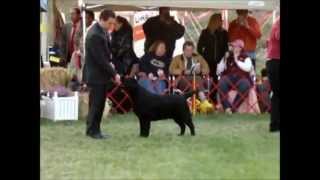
151, 76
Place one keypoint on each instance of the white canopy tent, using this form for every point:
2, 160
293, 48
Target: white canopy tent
142, 5
135, 5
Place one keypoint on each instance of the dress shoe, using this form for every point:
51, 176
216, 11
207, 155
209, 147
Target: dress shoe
98, 136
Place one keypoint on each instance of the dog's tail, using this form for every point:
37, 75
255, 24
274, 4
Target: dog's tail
189, 94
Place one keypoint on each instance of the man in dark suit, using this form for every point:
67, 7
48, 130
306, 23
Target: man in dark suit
98, 70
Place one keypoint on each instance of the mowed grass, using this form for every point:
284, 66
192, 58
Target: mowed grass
225, 147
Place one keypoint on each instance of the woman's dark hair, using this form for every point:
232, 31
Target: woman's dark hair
155, 45
213, 18
125, 23
106, 14
90, 13
77, 10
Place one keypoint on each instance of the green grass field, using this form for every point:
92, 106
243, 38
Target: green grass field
225, 147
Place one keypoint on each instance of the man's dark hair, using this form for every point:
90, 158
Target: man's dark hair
106, 14
187, 43
90, 13
242, 11
264, 72
77, 10
161, 9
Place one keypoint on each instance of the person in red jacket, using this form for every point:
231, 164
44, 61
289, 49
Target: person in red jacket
247, 29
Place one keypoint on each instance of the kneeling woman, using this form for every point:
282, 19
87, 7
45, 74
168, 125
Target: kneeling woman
235, 70
153, 68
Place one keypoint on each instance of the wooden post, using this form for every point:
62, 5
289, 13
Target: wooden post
194, 95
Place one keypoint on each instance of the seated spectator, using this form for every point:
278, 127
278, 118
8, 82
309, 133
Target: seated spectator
235, 71
153, 68
263, 90
186, 65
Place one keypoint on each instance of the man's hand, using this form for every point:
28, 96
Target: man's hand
117, 79
246, 24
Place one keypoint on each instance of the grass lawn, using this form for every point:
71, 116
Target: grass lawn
225, 147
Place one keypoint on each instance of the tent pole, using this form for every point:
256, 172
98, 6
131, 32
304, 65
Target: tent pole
274, 13
83, 8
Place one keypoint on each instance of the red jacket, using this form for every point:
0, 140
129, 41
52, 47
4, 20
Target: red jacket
249, 36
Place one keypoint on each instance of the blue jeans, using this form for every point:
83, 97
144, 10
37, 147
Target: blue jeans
156, 87
242, 86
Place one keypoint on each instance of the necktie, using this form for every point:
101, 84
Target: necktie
108, 37
189, 63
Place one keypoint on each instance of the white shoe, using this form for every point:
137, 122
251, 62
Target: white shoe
228, 111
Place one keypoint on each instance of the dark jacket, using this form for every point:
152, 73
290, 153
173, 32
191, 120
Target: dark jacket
150, 63
213, 47
97, 69
122, 50
154, 29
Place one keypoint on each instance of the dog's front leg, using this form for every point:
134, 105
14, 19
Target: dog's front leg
144, 128
181, 125
191, 126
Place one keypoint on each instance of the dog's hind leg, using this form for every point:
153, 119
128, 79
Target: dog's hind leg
189, 123
144, 128
182, 126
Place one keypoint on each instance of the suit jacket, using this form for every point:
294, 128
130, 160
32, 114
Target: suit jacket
97, 68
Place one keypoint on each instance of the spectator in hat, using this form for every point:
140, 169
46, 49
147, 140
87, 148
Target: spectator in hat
247, 29
162, 27
235, 70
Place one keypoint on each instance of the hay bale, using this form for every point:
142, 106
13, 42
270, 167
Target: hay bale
84, 106
50, 77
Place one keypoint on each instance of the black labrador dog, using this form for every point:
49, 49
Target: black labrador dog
151, 107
